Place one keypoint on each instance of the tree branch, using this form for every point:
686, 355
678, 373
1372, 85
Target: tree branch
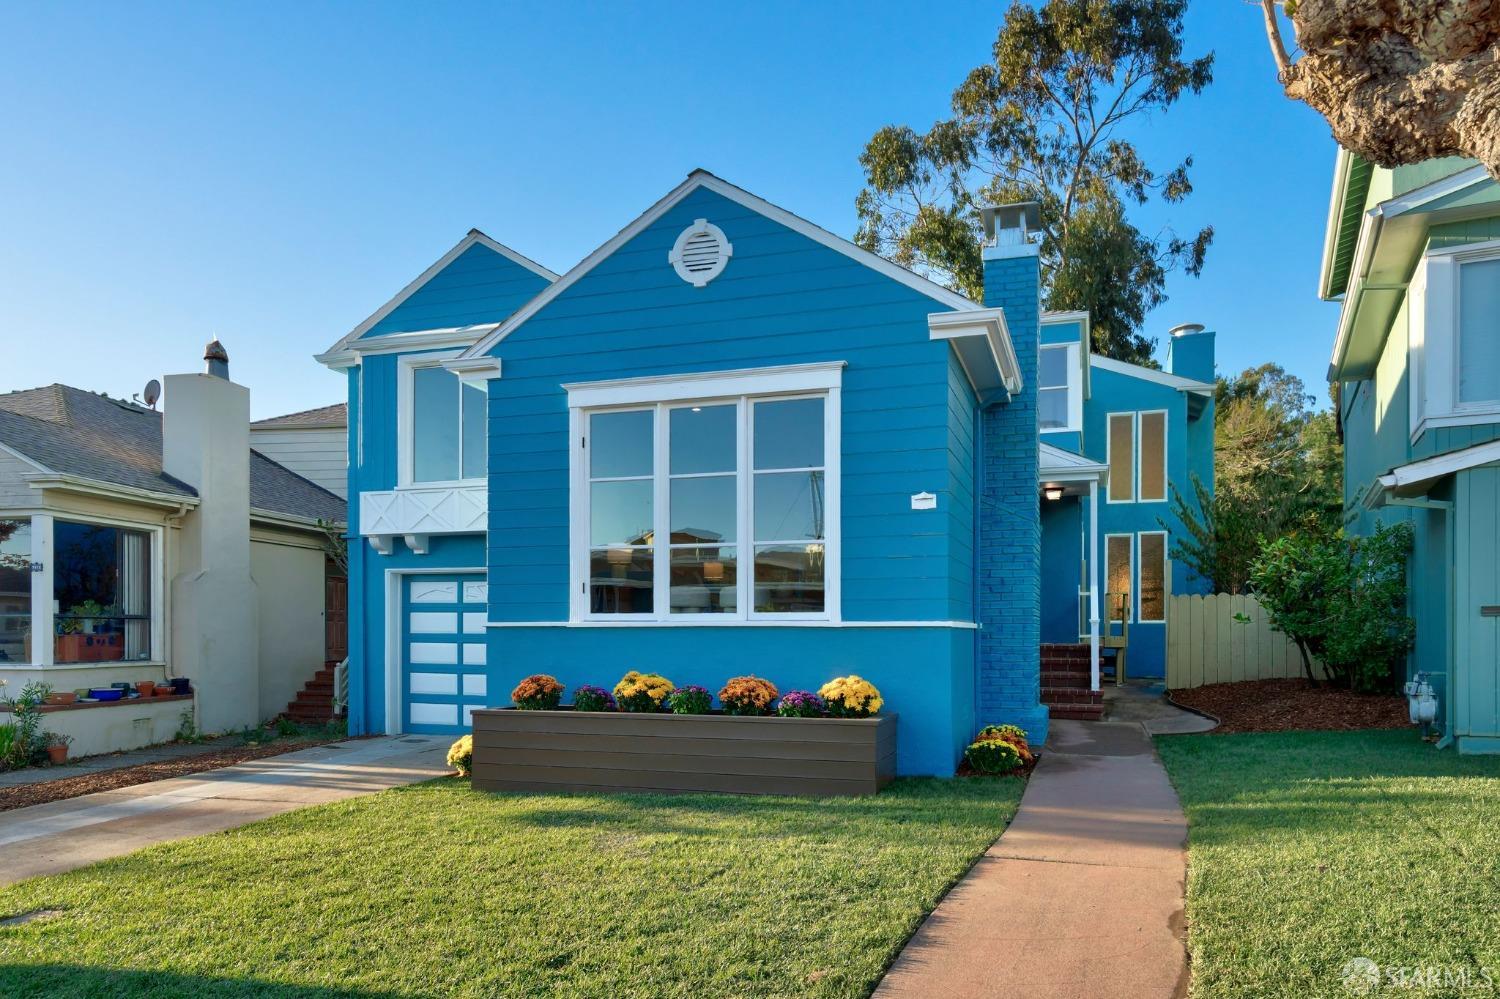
1273, 35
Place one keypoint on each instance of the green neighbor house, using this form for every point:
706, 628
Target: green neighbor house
1413, 255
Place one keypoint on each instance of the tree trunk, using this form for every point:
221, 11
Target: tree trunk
1307, 663
1399, 81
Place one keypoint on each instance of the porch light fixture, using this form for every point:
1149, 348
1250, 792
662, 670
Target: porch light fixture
1053, 492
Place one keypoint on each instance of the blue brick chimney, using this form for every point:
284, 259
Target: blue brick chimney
1010, 556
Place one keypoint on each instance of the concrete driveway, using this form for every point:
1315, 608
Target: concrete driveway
62, 835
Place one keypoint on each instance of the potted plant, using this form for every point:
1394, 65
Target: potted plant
146, 688
62, 697
57, 747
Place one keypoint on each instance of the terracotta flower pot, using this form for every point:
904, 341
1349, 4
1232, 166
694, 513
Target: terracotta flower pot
62, 697
146, 688
58, 754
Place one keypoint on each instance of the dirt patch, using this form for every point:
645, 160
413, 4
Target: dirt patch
145, 773
1291, 706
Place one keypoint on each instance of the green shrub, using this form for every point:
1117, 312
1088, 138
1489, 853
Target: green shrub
992, 756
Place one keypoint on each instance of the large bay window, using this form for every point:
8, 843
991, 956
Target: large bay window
15, 591
443, 424
708, 510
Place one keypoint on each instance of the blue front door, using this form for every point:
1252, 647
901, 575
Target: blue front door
442, 651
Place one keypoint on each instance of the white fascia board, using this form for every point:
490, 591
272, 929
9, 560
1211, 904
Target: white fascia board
476, 371
458, 250
703, 179
1343, 163
1055, 464
1406, 478
982, 341
1151, 375
274, 518
109, 490
401, 343
705, 385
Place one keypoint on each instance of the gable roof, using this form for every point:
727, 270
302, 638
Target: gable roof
474, 238
68, 432
703, 179
307, 419
1151, 375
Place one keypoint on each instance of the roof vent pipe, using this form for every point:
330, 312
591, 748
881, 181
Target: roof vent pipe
216, 360
1186, 329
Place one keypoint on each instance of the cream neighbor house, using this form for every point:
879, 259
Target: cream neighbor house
144, 545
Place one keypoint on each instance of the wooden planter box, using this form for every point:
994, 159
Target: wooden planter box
622, 751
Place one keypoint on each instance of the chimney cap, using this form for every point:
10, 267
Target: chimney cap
1186, 329
1023, 215
216, 360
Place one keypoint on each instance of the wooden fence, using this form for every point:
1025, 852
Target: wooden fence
1224, 638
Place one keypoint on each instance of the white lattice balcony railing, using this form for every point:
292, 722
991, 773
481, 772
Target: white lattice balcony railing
415, 513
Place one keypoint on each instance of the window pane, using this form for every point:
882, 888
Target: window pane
620, 512
102, 585
703, 580
789, 434
620, 581
1153, 456
1153, 577
1052, 367
1479, 331
1117, 576
789, 579
1052, 408
434, 423
1121, 456
620, 444
475, 406
703, 509
15, 591
789, 506
703, 439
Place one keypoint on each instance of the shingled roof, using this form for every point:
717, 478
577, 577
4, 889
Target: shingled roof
324, 416
72, 432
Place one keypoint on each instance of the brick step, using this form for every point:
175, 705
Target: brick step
1052, 678
319, 687
1067, 665
1076, 712
304, 697
1065, 652
1071, 695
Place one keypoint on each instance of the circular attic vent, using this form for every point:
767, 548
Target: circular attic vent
700, 253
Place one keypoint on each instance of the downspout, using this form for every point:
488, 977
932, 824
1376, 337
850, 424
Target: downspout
170, 521
1094, 585
1446, 506
979, 480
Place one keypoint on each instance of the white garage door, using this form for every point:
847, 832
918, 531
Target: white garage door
442, 651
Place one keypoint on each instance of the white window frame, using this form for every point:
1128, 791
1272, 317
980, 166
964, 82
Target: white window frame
406, 425
1074, 387
1166, 566
1130, 607
1109, 447
662, 394
1432, 348
1166, 478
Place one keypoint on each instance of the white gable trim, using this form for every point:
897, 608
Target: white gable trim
403, 343
1418, 476
702, 178
1150, 374
459, 249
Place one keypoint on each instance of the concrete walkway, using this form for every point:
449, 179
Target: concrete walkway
62, 835
116, 761
1083, 894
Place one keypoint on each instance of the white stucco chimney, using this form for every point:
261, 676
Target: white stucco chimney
206, 444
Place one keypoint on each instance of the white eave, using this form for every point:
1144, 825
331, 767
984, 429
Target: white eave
1057, 465
349, 354
982, 343
1418, 477
94, 487
476, 371
1151, 375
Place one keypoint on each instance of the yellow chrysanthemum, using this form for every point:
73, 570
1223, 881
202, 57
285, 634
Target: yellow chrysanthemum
851, 697
461, 755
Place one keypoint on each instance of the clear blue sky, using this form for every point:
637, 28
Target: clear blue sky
271, 173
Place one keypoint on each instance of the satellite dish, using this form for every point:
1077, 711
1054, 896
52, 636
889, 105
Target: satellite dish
152, 393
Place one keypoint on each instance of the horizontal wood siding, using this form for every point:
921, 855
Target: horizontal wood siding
956, 504
570, 751
14, 492
318, 455
481, 286
1207, 644
783, 299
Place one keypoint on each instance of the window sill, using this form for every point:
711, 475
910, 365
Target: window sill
1457, 418
97, 664
733, 624
48, 709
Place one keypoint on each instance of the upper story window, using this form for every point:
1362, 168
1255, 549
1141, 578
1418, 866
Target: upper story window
1059, 398
443, 424
1479, 332
1153, 456
1137, 447
707, 510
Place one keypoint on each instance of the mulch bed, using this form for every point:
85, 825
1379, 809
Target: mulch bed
1291, 706
145, 773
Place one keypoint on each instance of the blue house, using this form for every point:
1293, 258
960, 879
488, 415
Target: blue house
1117, 440
726, 442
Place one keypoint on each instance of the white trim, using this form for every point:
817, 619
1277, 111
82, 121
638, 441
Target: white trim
700, 227
458, 250
703, 179
401, 343
1165, 568
1074, 387
394, 611
982, 341
94, 487
1109, 440
1418, 473
45, 654
1434, 363
476, 371
1140, 464
272, 518
1104, 583
1150, 375
1343, 164
705, 385
405, 448
699, 622
1093, 569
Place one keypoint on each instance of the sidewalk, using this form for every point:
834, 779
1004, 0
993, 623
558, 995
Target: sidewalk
1083, 894
115, 761
62, 835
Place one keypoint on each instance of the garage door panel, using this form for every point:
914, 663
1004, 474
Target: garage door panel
442, 642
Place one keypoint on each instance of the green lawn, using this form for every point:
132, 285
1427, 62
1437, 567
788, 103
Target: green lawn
435, 890
1308, 849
